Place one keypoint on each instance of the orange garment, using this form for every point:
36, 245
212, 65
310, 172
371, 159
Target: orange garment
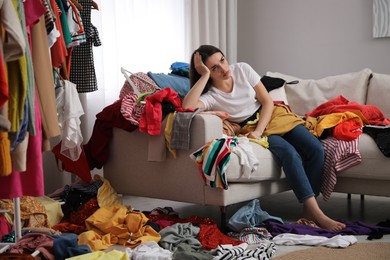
58, 50
318, 125
340, 104
347, 130
5, 156
211, 237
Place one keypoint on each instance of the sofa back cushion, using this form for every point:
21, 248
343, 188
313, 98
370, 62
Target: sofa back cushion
378, 92
310, 93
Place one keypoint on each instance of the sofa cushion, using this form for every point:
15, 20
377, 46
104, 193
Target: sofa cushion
379, 85
374, 164
279, 94
310, 93
267, 168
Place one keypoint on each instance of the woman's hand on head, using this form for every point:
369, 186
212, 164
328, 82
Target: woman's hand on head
200, 67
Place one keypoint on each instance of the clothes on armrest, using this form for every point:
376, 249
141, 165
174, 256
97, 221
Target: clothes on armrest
96, 150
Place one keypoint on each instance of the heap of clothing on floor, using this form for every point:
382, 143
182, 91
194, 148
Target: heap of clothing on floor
92, 219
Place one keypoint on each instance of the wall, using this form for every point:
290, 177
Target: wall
310, 38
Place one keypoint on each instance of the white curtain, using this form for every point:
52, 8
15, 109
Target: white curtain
381, 13
149, 35
212, 22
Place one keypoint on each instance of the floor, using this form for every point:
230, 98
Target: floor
370, 210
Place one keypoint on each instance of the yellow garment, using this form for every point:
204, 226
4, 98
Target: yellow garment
32, 211
106, 195
168, 133
261, 141
5, 155
140, 232
17, 82
317, 125
230, 128
282, 121
53, 210
114, 225
100, 255
96, 241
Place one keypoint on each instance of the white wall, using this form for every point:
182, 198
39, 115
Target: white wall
310, 38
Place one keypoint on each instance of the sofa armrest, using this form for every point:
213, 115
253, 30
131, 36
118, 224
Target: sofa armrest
204, 128
130, 172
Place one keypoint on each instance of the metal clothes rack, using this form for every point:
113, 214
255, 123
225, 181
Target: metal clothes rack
17, 225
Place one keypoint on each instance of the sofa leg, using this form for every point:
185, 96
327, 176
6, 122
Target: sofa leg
361, 196
349, 196
222, 210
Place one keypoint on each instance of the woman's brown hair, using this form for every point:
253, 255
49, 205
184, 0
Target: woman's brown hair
205, 51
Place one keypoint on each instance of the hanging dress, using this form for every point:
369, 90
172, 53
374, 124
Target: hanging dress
82, 68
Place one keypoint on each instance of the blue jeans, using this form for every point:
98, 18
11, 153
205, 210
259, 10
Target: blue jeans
301, 155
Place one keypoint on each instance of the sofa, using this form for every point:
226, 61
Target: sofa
141, 165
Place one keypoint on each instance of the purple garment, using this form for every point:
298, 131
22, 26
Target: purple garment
352, 228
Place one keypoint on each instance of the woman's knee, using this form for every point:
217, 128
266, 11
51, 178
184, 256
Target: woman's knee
285, 152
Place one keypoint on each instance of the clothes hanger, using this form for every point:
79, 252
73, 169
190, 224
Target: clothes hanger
124, 71
77, 4
135, 89
95, 5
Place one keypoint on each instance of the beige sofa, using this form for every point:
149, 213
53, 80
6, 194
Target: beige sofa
141, 165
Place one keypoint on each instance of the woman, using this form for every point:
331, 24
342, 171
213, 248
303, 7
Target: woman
237, 89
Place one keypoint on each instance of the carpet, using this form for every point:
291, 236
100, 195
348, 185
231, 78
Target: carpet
357, 251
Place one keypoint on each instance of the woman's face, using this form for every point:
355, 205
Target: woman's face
218, 66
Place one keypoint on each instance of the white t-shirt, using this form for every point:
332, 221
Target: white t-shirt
241, 102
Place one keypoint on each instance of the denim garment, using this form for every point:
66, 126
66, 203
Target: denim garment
301, 155
249, 216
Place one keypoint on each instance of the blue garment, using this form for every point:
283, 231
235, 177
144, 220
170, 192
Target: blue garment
249, 216
19, 136
181, 85
301, 155
179, 65
66, 246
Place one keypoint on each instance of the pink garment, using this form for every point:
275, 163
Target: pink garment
130, 109
5, 226
141, 81
30, 182
339, 155
35, 241
33, 10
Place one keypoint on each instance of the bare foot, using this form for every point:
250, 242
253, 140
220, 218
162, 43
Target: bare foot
311, 211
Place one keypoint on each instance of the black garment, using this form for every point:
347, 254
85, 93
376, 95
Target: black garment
82, 68
381, 136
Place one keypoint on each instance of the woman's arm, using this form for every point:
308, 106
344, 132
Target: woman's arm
267, 106
191, 100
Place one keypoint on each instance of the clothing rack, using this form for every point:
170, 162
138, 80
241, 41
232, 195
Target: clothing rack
17, 225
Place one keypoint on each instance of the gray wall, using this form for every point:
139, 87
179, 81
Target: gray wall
310, 38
